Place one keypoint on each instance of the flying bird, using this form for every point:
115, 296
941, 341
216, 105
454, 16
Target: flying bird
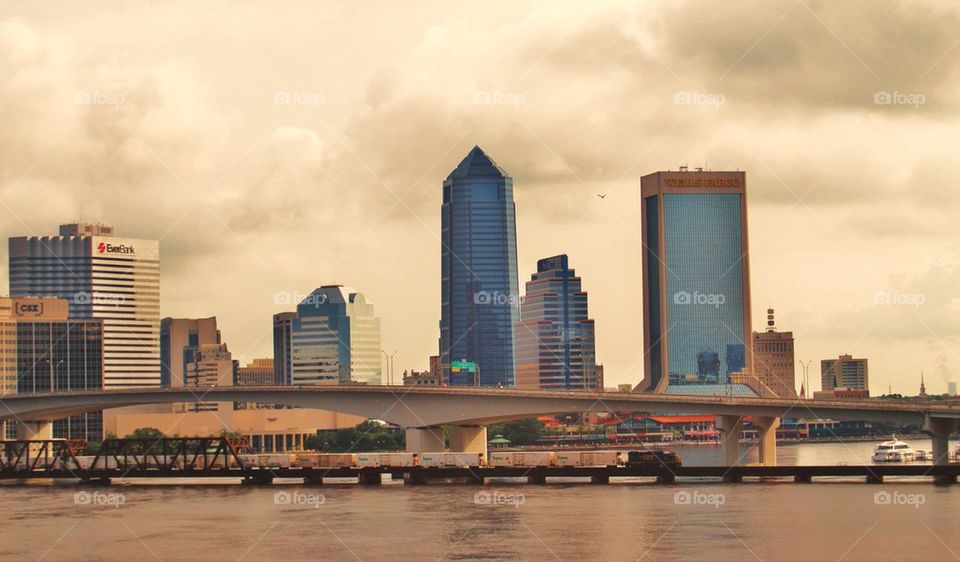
602, 195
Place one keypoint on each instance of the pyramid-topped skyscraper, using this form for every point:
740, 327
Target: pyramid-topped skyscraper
480, 300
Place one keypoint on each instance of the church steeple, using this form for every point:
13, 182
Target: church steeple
923, 387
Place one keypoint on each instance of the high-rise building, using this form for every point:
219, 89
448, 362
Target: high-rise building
282, 339
211, 365
180, 339
556, 345
844, 372
42, 349
113, 279
335, 339
696, 281
952, 388
774, 365
479, 302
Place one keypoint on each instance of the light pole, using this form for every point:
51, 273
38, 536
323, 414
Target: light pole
389, 361
806, 376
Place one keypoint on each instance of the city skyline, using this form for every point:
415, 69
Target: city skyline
852, 242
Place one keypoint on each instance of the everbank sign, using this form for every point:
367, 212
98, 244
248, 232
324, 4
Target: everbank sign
107, 248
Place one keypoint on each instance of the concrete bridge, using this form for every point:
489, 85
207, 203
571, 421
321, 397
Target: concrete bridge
424, 411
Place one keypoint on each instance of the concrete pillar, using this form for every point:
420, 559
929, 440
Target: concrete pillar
34, 430
369, 478
425, 440
468, 439
730, 427
767, 429
940, 430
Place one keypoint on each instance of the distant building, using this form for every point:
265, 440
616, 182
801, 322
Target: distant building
696, 281
258, 373
42, 349
774, 365
180, 339
116, 280
555, 339
844, 373
282, 341
952, 388
923, 386
211, 365
335, 339
433, 377
479, 287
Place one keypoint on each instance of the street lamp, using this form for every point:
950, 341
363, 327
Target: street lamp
389, 359
806, 376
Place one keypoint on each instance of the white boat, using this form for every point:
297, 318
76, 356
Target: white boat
893, 451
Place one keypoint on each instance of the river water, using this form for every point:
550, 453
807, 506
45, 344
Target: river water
628, 519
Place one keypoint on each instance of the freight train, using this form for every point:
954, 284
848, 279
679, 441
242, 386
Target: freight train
646, 458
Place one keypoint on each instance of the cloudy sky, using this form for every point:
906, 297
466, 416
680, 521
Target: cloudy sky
273, 148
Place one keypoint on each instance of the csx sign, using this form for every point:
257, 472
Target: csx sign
29, 309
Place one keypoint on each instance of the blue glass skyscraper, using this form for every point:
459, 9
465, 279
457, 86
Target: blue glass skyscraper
479, 284
696, 281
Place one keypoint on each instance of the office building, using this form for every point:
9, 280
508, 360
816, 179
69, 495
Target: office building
952, 388
335, 339
211, 365
42, 349
696, 282
844, 373
555, 338
282, 339
180, 339
479, 302
116, 280
258, 373
774, 365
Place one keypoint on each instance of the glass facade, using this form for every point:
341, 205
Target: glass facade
555, 338
480, 302
696, 280
335, 339
62, 356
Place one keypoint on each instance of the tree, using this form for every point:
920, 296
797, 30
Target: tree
151, 433
520, 432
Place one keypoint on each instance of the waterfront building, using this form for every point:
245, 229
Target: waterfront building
116, 280
180, 339
696, 281
556, 342
335, 338
282, 340
845, 373
42, 349
774, 365
479, 286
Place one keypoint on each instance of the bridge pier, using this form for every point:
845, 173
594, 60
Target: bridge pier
468, 439
939, 430
730, 428
369, 478
767, 428
425, 440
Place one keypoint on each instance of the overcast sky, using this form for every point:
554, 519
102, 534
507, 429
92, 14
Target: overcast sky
275, 147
